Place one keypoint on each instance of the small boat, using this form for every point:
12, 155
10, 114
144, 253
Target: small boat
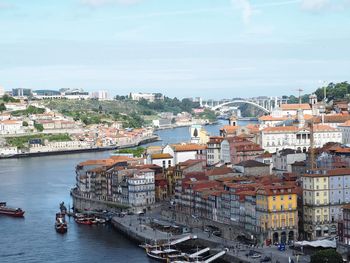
15, 212
165, 255
83, 221
61, 224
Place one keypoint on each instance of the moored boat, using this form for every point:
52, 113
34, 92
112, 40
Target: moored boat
61, 224
15, 212
83, 221
165, 255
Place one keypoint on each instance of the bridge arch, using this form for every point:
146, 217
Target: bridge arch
241, 101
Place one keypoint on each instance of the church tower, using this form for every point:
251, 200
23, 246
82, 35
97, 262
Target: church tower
233, 121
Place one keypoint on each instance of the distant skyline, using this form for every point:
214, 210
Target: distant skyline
184, 48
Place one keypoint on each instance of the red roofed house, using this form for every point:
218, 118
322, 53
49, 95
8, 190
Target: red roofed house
184, 152
238, 149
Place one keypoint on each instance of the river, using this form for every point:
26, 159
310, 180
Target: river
38, 185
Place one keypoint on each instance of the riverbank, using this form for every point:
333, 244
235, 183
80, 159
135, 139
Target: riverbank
141, 141
139, 231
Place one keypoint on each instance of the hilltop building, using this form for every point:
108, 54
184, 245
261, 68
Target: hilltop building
151, 97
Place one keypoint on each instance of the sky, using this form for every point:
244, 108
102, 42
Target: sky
184, 48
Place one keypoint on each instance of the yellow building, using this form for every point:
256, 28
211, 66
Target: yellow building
277, 215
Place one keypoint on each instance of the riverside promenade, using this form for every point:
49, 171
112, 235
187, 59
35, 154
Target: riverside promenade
62, 151
138, 229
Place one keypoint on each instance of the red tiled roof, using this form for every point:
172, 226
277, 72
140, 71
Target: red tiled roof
161, 156
188, 147
296, 106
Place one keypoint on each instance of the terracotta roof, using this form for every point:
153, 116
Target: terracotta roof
188, 147
345, 124
161, 156
229, 128
332, 118
219, 171
265, 155
271, 118
278, 189
215, 139
190, 162
7, 122
296, 106
322, 127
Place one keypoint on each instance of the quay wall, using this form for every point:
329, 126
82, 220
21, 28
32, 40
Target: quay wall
81, 203
141, 237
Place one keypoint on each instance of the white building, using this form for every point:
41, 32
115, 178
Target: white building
214, 150
292, 109
277, 138
100, 95
13, 106
10, 127
345, 130
184, 152
147, 96
141, 189
8, 151
164, 160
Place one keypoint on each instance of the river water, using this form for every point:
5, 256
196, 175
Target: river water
38, 185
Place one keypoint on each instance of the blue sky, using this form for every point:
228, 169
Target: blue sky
208, 48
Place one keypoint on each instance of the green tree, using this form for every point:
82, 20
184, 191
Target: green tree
6, 98
25, 124
39, 127
2, 107
326, 256
195, 133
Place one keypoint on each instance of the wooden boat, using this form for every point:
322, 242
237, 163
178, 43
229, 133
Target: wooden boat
61, 224
15, 212
165, 255
83, 221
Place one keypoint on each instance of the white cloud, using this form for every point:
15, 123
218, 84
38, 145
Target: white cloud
314, 5
98, 3
246, 9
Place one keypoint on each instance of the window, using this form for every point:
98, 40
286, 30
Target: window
282, 197
290, 197
274, 198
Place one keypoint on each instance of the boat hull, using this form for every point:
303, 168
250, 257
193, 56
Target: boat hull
61, 229
160, 259
12, 213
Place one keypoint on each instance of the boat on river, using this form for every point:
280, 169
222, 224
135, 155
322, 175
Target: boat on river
84, 221
61, 224
15, 212
165, 255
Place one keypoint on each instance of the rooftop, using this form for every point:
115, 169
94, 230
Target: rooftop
296, 106
252, 163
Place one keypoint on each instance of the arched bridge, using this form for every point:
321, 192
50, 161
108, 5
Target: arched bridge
241, 101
